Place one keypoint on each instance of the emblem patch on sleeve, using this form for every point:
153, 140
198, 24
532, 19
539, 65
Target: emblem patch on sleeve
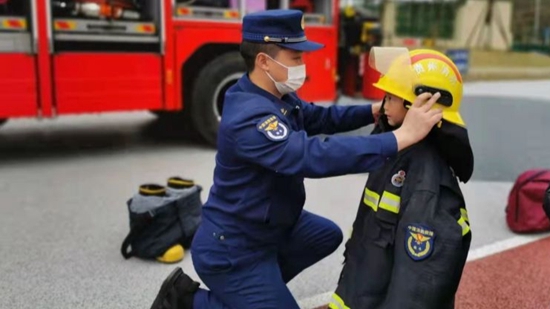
273, 128
419, 241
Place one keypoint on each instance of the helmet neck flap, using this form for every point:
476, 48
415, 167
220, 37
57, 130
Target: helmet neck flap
450, 140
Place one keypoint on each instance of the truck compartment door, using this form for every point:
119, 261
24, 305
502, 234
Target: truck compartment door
98, 82
107, 57
18, 71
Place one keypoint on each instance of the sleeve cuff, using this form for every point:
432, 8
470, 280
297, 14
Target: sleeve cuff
368, 114
388, 142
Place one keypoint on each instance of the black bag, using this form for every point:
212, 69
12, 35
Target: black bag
161, 218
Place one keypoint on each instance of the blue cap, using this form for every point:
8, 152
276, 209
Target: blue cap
282, 27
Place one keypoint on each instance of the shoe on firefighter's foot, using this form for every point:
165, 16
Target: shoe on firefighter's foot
177, 291
172, 255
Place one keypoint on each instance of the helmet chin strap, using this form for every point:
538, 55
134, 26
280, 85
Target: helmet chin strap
382, 112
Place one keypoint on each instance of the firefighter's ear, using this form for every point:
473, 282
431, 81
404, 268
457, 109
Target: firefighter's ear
262, 61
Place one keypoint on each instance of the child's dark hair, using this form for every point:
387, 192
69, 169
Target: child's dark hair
382, 125
250, 50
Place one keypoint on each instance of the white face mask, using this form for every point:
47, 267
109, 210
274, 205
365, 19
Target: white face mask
295, 80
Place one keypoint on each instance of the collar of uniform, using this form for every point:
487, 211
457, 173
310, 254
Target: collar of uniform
248, 86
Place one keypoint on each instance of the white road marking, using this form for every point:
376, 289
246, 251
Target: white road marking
503, 245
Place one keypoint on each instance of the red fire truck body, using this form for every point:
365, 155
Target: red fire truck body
171, 58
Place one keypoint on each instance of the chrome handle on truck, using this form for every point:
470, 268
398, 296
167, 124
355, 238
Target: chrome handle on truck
34, 29
162, 26
49, 25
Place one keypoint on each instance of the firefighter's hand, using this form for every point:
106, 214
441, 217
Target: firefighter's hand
419, 120
376, 109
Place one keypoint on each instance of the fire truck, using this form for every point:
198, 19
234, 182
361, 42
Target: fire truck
171, 57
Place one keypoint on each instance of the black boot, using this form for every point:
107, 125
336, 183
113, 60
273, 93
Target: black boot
177, 291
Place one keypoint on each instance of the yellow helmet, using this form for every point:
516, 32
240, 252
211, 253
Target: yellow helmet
408, 74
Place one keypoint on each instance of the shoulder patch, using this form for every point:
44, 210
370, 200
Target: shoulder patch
273, 128
419, 241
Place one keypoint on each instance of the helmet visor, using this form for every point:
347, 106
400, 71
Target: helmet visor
394, 64
383, 58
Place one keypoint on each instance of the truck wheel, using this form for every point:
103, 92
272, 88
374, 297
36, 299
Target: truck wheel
208, 93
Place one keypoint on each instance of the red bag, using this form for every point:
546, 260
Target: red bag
524, 213
546, 204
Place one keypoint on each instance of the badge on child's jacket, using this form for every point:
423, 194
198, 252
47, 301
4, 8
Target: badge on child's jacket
398, 178
419, 241
273, 128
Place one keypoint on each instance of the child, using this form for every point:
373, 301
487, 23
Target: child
411, 235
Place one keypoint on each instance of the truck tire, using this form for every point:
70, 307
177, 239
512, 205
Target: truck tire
208, 93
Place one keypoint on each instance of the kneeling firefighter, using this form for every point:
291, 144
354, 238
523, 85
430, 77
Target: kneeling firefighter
411, 235
163, 220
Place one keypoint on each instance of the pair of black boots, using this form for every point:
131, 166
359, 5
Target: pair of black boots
163, 220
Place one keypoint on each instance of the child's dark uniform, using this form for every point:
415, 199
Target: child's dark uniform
411, 235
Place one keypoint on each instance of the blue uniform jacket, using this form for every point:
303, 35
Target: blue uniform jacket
265, 150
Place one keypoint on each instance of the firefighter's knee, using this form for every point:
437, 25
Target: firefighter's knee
316, 235
334, 237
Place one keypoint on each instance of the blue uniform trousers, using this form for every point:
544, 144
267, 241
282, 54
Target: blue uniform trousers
248, 277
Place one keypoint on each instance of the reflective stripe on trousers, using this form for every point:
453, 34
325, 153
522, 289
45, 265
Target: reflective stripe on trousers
337, 303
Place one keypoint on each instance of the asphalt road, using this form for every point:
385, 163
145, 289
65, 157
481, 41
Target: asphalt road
64, 185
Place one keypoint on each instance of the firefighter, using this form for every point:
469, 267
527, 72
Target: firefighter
411, 235
255, 236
